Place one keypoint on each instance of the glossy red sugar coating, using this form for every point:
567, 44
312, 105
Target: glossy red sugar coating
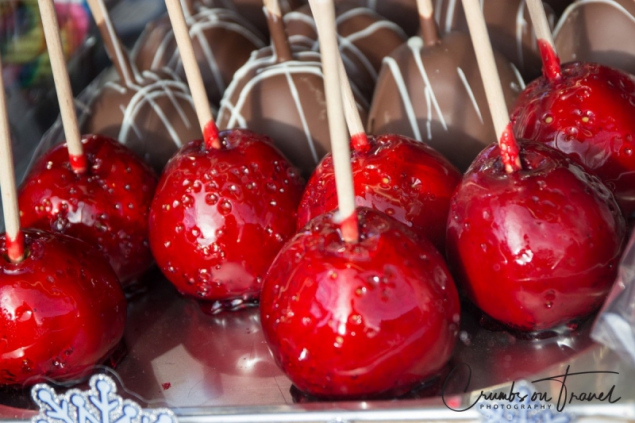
588, 115
536, 248
107, 206
220, 216
399, 176
62, 310
359, 320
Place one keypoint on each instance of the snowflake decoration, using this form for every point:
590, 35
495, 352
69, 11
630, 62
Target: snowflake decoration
522, 409
100, 404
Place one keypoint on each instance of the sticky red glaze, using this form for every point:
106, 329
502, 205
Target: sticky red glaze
78, 163
15, 247
62, 310
399, 176
538, 247
509, 150
359, 320
550, 62
220, 216
210, 135
588, 115
107, 206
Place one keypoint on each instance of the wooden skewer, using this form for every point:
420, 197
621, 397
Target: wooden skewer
550, 61
278, 33
491, 81
113, 45
14, 237
359, 140
193, 74
429, 27
63, 86
325, 10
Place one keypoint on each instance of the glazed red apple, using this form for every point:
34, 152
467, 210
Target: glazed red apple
399, 176
62, 310
587, 113
107, 206
220, 216
355, 320
538, 247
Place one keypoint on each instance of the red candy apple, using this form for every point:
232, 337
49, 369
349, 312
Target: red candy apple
537, 247
352, 320
62, 310
220, 216
587, 113
107, 206
394, 174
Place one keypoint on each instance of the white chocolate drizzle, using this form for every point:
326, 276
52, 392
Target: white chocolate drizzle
580, 3
470, 93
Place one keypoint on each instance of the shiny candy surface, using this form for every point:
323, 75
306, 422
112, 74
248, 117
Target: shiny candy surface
588, 115
536, 248
368, 319
401, 177
62, 310
220, 216
107, 206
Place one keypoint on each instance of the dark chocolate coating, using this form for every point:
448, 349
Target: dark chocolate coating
153, 118
509, 26
365, 39
284, 101
402, 12
222, 39
450, 113
599, 31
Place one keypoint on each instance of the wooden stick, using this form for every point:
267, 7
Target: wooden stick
550, 61
63, 86
115, 50
359, 140
324, 12
277, 30
14, 238
492, 83
193, 74
429, 27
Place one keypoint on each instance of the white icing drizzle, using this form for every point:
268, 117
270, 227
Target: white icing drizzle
450, 15
416, 44
470, 93
519, 77
173, 89
521, 26
405, 97
266, 67
580, 3
204, 20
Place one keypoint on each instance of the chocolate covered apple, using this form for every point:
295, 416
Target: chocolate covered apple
399, 176
107, 206
370, 318
223, 41
365, 38
63, 311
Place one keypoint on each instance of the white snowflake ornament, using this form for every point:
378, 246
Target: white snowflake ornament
100, 404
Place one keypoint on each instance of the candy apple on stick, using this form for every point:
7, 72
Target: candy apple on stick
62, 309
354, 306
397, 175
533, 238
92, 187
584, 110
224, 206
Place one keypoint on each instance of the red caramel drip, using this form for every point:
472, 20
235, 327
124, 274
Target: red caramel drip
359, 142
15, 247
550, 62
509, 150
210, 135
78, 163
350, 228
